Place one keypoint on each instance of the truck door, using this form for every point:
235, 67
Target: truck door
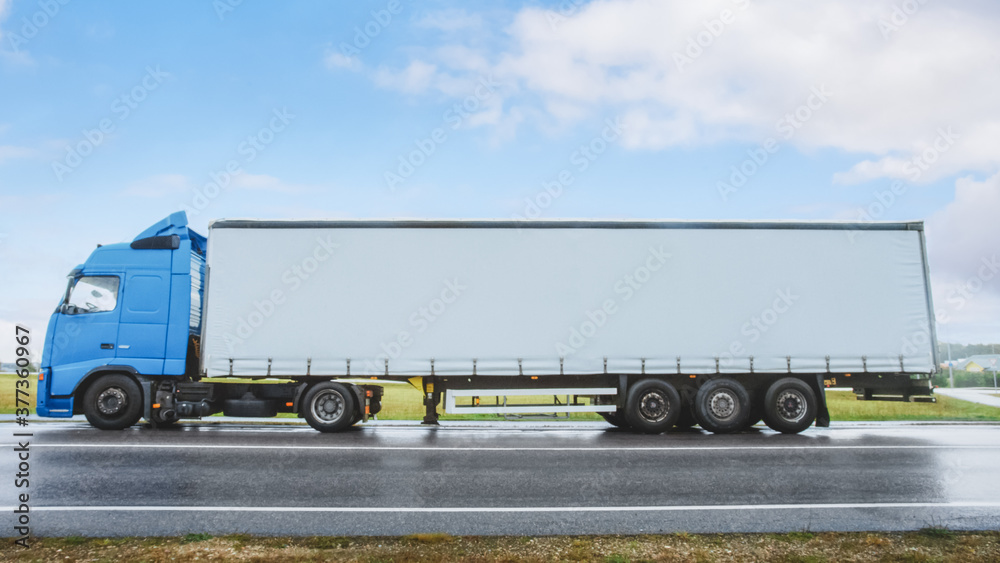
142, 334
86, 330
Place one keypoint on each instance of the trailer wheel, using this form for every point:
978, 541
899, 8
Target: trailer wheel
722, 406
652, 406
113, 402
789, 406
616, 419
329, 407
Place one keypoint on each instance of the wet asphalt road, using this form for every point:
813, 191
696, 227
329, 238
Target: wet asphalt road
503, 478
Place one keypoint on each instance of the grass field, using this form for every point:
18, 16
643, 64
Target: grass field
930, 544
403, 402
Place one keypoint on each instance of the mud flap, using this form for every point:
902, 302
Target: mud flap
822, 414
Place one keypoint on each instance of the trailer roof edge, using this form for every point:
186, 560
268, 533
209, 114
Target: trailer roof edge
560, 224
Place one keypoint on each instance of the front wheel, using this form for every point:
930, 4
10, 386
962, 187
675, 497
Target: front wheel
329, 407
789, 406
113, 402
652, 406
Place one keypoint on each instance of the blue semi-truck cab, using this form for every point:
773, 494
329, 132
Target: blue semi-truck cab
124, 344
130, 310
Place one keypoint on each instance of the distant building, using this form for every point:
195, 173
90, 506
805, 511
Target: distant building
980, 363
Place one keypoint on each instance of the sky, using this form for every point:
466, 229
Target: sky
114, 115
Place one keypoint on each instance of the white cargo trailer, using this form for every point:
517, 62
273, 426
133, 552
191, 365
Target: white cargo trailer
651, 323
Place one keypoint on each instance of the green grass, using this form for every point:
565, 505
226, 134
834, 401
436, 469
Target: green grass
8, 395
844, 405
403, 402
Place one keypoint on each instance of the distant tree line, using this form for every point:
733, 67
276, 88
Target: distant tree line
961, 351
965, 378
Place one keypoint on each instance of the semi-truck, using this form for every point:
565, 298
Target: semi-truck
653, 324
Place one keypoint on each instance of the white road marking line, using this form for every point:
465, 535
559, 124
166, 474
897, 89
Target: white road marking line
511, 449
489, 509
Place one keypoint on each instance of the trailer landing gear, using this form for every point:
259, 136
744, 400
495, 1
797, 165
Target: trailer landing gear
432, 399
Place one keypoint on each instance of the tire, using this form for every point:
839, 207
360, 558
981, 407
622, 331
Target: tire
652, 406
329, 407
722, 406
113, 402
790, 406
616, 419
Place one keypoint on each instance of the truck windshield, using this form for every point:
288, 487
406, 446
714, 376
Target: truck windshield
91, 294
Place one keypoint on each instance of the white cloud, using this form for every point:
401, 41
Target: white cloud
335, 60
414, 79
963, 242
692, 73
451, 20
10, 152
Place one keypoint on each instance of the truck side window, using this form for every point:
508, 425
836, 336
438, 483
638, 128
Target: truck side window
92, 294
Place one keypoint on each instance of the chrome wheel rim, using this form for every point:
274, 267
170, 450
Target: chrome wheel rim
723, 404
654, 406
112, 401
791, 405
328, 406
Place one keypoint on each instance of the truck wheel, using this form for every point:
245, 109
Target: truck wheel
113, 402
329, 407
789, 406
616, 419
722, 406
652, 406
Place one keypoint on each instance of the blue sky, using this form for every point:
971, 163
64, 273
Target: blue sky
317, 103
